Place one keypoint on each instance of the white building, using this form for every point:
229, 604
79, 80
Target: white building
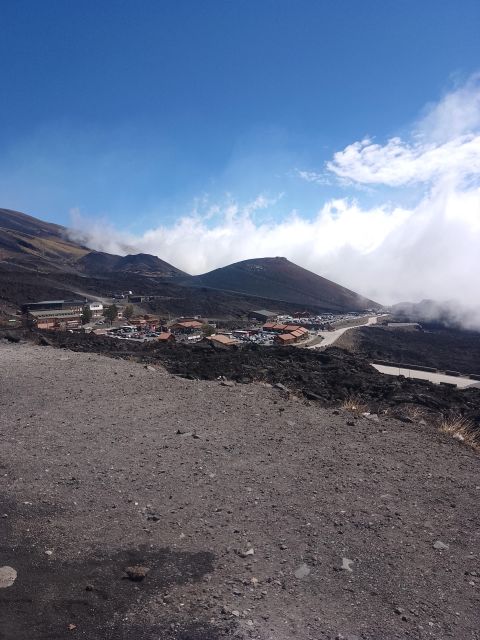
97, 309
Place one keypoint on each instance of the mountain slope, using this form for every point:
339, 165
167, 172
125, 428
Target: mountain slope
281, 280
32, 243
38, 258
28, 240
97, 262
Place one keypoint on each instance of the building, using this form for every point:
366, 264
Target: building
264, 315
54, 320
186, 326
284, 339
55, 305
166, 337
96, 308
291, 336
219, 340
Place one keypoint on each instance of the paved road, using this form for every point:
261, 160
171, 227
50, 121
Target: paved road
330, 337
437, 378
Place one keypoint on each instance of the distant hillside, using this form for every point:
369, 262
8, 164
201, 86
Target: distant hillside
281, 280
30, 241
39, 260
97, 262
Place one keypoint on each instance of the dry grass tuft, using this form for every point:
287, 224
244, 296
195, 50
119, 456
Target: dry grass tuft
461, 429
416, 414
355, 405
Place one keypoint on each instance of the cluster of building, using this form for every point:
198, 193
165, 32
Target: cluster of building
286, 333
267, 327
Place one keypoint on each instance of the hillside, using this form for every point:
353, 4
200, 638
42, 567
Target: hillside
281, 280
39, 260
31, 242
98, 262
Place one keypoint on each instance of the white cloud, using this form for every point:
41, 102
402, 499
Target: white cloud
445, 143
398, 163
387, 252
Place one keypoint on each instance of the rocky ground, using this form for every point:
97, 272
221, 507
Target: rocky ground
329, 377
137, 504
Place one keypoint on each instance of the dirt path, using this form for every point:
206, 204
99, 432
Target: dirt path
330, 337
107, 464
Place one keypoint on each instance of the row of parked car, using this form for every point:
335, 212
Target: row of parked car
133, 333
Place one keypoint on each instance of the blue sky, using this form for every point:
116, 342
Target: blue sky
342, 134
133, 112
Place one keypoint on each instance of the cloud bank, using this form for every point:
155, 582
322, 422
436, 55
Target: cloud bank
388, 252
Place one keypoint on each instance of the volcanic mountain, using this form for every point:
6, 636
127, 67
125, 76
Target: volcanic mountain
41, 260
28, 241
279, 279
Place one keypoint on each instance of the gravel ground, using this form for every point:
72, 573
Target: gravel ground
257, 514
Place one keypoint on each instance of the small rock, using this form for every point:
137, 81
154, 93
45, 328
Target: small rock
48, 552
236, 613
72, 627
245, 554
8, 575
350, 423
279, 385
136, 573
283, 547
227, 383
441, 546
346, 562
153, 517
302, 571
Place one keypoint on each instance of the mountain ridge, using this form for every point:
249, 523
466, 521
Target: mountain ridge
283, 279
44, 249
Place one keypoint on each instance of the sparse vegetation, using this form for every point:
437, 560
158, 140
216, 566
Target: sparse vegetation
111, 313
355, 405
128, 312
207, 329
461, 429
415, 413
86, 314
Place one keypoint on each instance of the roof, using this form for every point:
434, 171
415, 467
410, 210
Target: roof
71, 301
263, 312
188, 324
222, 339
165, 336
55, 313
269, 325
286, 337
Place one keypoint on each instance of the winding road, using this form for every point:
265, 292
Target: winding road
330, 337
